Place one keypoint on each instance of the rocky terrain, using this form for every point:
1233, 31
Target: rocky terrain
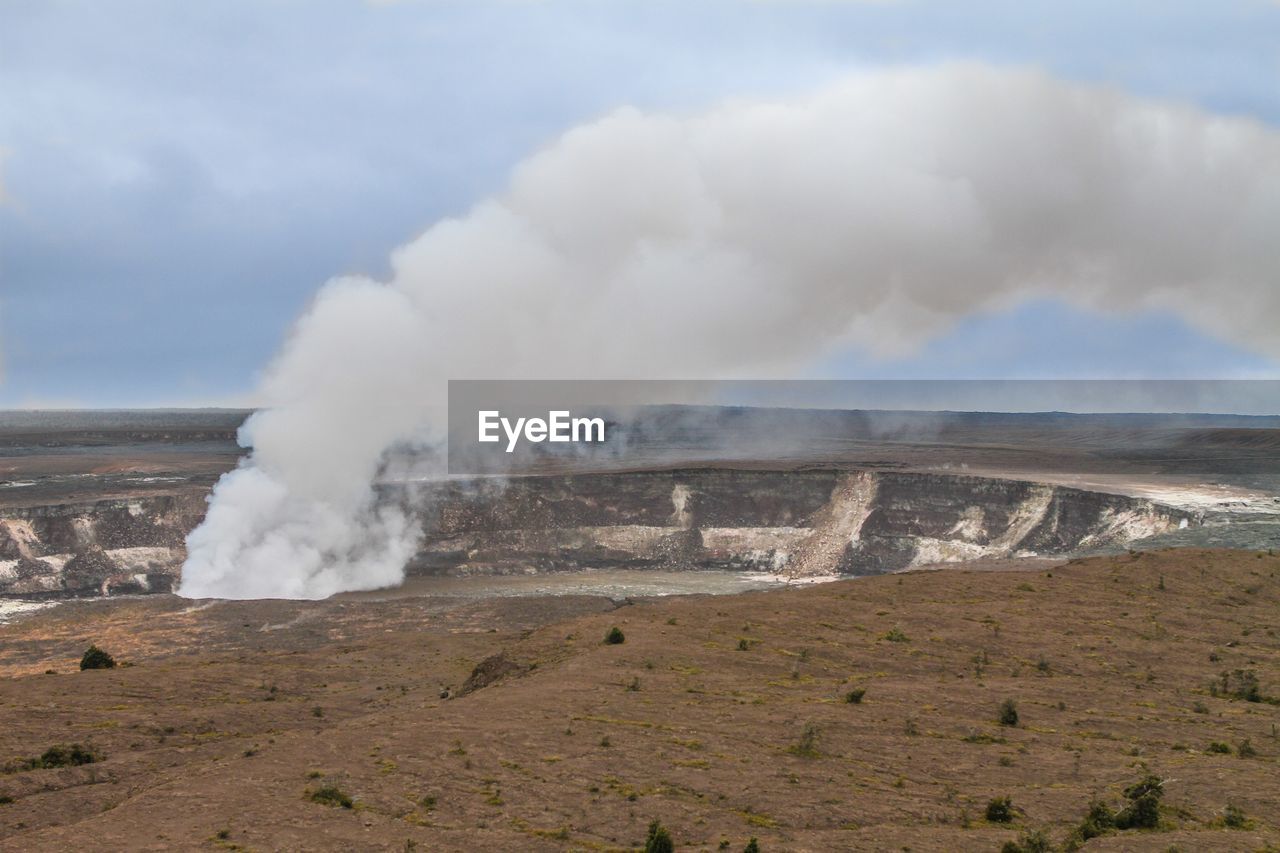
100, 503
801, 523
106, 547
863, 714
798, 522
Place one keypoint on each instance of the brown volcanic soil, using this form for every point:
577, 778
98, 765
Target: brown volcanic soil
214, 728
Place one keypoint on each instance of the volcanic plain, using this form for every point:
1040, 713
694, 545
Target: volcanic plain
860, 714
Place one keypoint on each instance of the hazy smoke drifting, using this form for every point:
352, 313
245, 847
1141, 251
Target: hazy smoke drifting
746, 241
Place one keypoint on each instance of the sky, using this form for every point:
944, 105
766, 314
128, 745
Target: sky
178, 179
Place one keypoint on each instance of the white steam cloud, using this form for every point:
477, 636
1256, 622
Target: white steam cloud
746, 241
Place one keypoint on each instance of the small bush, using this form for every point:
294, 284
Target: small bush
1240, 683
1218, 748
615, 637
895, 635
807, 746
1000, 810
1143, 811
1234, 818
744, 644
1245, 749
96, 658
1031, 841
330, 795
1008, 713
753, 846
658, 840
854, 696
62, 755
1099, 820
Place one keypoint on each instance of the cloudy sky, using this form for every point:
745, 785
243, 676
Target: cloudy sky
178, 179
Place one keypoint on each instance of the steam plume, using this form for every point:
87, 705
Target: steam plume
746, 241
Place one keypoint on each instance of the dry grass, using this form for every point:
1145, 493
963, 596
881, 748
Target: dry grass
1110, 671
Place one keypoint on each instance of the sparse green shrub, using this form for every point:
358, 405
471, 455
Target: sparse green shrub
61, 755
807, 746
1143, 811
854, 696
330, 795
658, 839
1234, 818
1008, 713
96, 658
753, 846
1000, 810
744, 644
896, 635
1239, 683
1218, 748
1030, 841
615, 637
1245, 749
1099, 820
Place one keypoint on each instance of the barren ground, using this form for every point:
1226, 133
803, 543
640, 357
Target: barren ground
230, 714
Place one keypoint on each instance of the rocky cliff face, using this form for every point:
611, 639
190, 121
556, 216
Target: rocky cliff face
109, 547
801, 523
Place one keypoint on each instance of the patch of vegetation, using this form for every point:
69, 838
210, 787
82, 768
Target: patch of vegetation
854, 696
1008, 715
1143, 811
615, 637
1245, 749
982, 737
753, 846
96, 658
895, 635
1240, 684
1030, 841
743, 644
658, 839
61, 755
807, 745
1000, 810
1234, 818
1218, 748
1099, 820
330, 795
